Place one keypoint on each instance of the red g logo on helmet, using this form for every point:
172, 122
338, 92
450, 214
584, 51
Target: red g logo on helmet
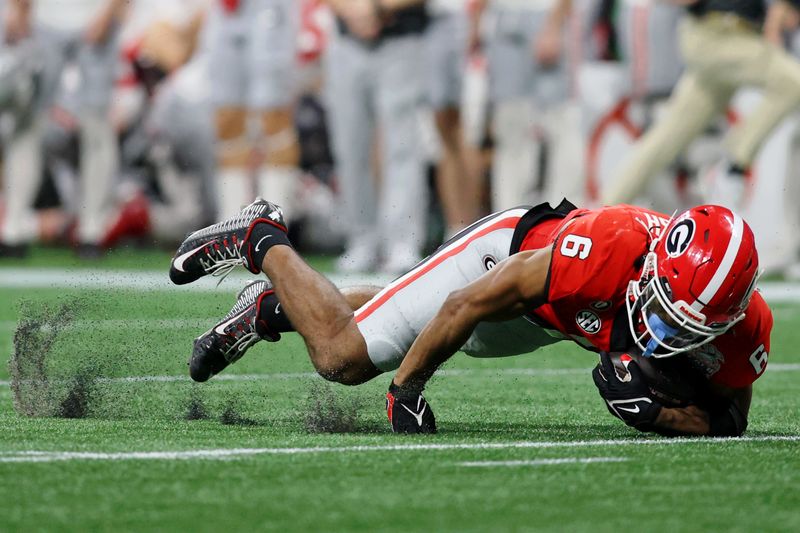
696, 282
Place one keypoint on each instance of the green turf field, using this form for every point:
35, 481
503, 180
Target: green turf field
524, 444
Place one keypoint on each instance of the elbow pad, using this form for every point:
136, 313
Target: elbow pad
727, 422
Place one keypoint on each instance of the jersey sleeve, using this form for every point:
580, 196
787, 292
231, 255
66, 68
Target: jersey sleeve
745, 348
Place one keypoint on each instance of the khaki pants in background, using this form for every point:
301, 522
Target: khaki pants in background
722, 53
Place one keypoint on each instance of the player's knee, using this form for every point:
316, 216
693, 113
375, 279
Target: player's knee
231, 123
340, 373
339, 368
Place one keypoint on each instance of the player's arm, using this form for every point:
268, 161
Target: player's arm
547, 45
101, 26
729, 420
17, 20
628, 398
508, 290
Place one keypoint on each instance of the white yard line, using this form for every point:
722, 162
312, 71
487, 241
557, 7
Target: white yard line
144, 280
230, 453
159, 281
134, 323
454, 372
544, 462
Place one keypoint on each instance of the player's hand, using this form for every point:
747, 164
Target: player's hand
408, 411
17, 21
547, 46
361, 18
628, 396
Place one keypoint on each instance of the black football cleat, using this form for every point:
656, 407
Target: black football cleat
227, 341
221, 247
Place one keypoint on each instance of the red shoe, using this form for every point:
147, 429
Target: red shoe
132, 220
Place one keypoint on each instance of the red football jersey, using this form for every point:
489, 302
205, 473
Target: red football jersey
595, 254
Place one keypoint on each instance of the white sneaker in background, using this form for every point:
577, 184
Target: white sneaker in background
359, 257
400, 259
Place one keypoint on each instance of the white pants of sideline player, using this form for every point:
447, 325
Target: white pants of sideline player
87, 96
393, 319
374, 92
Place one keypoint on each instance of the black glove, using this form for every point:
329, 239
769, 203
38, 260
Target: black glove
408, 411
627, 397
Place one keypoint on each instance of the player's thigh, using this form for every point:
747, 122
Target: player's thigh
693, 103
97, 64
50, 47
648, 40
399, 96
392, 320
227, 45
271, 53
511, 65
348, 101
783, 73
446, 60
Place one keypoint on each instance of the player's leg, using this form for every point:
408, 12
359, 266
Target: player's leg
693, 104
446, 49
392, 320
228, 87
403, 193
271, 90
235, 187
511, 79
99, 154
43, 54
322, 315
260, 314
349, 101
778, 74
278, 177
344, 348
22, 176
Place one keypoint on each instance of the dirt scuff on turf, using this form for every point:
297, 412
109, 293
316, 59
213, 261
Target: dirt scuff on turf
62, 365
232, 416
196, 406
39, 389
327, 411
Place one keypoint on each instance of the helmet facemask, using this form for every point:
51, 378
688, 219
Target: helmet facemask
661, 327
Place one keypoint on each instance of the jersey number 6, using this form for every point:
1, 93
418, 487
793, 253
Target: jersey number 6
576, 246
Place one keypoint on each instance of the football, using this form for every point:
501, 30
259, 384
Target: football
674, 381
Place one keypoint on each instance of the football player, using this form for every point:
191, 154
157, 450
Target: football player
251, 47
613, 279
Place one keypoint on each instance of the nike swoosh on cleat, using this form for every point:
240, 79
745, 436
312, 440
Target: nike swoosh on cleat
220, 328
417, 417
634, 411
262, 240
181, 259
278, 308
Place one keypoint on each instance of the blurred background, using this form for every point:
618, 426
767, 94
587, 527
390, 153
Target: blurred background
384, 127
